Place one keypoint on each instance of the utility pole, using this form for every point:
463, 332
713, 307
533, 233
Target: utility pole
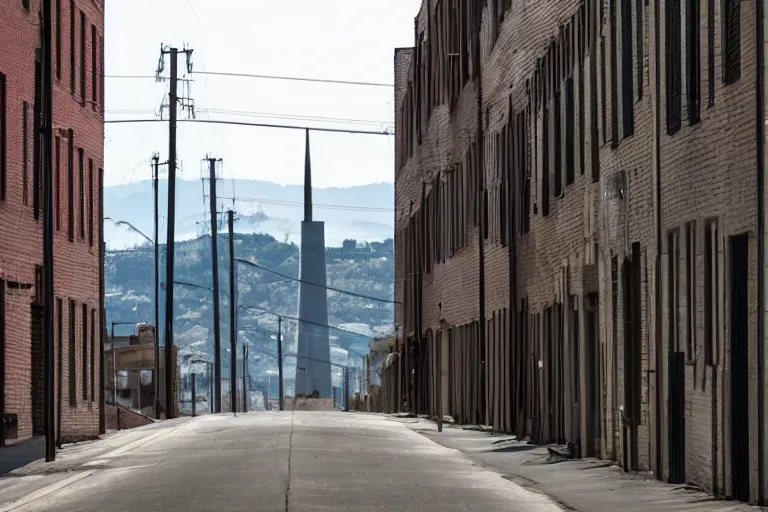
232, 311
280, 361
156, 375
215, 269
245, 383
173, 100
48, 295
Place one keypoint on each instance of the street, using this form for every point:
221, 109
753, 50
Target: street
289, 461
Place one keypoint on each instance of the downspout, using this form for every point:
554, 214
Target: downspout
657, 288
481, 197
760, 135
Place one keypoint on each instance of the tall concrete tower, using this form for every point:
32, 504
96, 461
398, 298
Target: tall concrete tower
313, 368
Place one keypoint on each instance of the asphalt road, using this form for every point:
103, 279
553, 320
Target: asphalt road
303, 461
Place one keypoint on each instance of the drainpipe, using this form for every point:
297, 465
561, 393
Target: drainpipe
760, 135
481, 197
657, 295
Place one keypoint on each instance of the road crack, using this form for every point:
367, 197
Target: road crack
288, 484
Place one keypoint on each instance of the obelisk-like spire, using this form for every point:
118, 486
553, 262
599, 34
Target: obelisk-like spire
307, 183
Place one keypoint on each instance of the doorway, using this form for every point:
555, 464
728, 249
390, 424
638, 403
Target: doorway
739, 367
632, 357
593, 372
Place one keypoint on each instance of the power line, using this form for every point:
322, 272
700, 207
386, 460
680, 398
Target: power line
353, 294
280, 202
297, 319
261, 125
264, 77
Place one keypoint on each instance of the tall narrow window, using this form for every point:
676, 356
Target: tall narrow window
545, 160
37, 160
71, 185
3, 136
90, 202
690, 277
94, 67
72, 47
57, 185
582, 145
732, 41
102, 71
673, 279
673, 65
693, 59
570, 160
711, 51
627, 67
72, 355
84, 332
603, 89
93, 355
558, 144
58, 39
81, 193
614, 75
25, 152
82, 58
640, 45
710, 291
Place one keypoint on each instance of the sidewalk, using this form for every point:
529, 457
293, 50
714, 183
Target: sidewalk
27, 474
584, 485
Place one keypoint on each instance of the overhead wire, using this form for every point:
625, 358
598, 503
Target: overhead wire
259, 125
267, 77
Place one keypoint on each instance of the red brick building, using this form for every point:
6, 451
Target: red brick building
580, 229
78, 116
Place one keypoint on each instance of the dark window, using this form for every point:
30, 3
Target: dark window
57, 185
3, 137
545, 161
101, 68
693, 59
25, 4
82, 58
25, 152
90, 202
673, 280
84, 369
485, 213
732, 41
582, 146
640, 45
39, 290
72, 356
604, 89
81, 192
614, 76
558, 144
690, 277
37, 160
674, 73
711, 50
93, 355
58, 39
570, 164
72, 44
710, 294
94, 67
71, 185
627, 82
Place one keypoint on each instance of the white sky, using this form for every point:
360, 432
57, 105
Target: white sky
333, 39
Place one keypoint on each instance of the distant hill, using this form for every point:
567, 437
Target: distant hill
361, 268
362, 213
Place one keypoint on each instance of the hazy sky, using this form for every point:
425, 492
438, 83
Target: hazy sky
332, 39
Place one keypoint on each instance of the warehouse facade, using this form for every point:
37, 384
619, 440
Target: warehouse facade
579, 220
78, 155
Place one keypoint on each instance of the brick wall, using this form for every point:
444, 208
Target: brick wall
533, 57
76, 262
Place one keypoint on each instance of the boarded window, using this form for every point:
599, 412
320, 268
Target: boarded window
690, 277
711, 293
81, 192
673, 66
558, 144
82, 58
711, 50
72, 46
94, 67
693, 59
71, 185
25, 152
545, 161
627, 68
84, 369
57, 184
732, 41
90, 202
72, 355
3, 136
570, 160
673, 298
